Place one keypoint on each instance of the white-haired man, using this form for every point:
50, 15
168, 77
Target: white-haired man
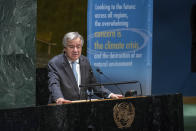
69, 70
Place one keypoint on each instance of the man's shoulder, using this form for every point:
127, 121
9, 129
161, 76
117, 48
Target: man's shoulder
84, 58
57, 58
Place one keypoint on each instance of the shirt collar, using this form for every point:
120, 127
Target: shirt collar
77, 61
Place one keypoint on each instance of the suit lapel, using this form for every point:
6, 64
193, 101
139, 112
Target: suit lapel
82, 70
70, 74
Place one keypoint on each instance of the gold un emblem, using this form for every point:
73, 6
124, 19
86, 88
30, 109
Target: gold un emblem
124, 114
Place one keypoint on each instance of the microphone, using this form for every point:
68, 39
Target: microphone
90, 71
100, 72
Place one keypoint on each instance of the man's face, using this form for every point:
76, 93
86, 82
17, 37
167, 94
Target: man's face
73, 49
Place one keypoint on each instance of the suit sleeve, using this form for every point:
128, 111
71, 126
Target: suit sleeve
54, 82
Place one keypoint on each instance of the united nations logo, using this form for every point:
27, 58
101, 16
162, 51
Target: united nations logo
124, 114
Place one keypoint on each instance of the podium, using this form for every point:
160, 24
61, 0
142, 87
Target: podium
142, 113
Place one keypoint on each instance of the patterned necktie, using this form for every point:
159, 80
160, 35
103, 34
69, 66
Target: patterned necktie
74, 70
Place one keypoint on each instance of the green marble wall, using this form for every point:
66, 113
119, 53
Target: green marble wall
17, 53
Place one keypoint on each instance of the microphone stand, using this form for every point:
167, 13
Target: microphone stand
100, 83
90, 86
89, 90
107, 84
90, 94
101, 73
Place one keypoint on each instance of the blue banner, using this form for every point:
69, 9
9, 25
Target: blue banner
120, 42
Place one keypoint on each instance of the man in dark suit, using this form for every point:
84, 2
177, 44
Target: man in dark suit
69, 70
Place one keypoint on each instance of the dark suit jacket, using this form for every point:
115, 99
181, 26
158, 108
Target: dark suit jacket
62, 82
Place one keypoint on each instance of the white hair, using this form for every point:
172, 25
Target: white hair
71, 36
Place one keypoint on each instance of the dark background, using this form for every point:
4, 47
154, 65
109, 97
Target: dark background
54, 19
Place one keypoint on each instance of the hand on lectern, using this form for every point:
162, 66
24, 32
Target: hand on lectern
62, 101
115, 96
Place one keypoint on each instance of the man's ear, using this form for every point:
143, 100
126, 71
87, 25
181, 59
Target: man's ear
64, 49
